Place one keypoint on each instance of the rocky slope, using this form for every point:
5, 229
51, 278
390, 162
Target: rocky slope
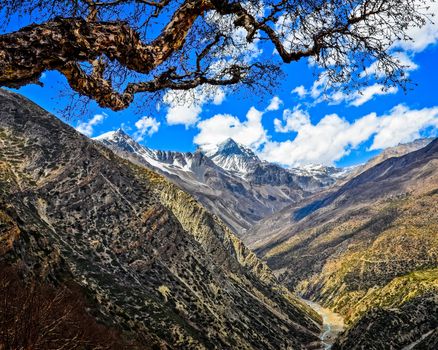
153, 262
396, 151
368, 250
230, 180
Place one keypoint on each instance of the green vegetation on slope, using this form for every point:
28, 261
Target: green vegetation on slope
367, 250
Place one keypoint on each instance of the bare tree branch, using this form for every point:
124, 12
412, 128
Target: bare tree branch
107, 41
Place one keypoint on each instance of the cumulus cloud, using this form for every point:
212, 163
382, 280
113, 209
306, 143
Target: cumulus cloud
300, 91
325, 142
185, 107
320, 91
218, 97
186, 114
354, 98
318, 87
403, 59
293, 120
403, 125
322, 143
334, 137
275, 104
403, 51
146, 126
249, 132
238, 49
86, 128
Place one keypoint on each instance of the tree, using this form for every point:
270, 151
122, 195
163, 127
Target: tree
40, 316
104, 50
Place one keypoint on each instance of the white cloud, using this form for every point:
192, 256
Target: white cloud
146, 126
424, 36
403, 125
185, 107
354, 98
323, 143
334, 137
403, 59
300, 91
257, 9
126, 126
275, 104
186, 115
358, 98
86, 128
238, 49
402, 51
294, 120
219, 97
218, 128
318, 86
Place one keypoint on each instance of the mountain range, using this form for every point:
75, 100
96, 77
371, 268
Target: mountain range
214, 249
229, 180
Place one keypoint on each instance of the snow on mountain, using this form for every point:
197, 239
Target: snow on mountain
230, 179
124, 142
231, 156
322, 171
166, 161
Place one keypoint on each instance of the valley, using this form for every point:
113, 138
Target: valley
218, 175
314, 235
210, 250
367, 250
151, 261
332, 324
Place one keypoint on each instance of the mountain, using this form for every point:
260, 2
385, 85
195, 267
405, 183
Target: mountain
396, 151
229, 180
149, 259
367, 249
231, 156
327, 175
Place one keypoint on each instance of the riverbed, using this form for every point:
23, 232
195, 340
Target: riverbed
333, 324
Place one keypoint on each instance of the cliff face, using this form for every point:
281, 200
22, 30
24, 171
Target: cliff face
368, 250
152, 260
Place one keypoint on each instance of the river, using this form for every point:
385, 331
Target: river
333, 324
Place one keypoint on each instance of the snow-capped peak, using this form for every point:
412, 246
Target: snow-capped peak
113, 135
123, 141
230, 146
321, 171
232, 156
166, 161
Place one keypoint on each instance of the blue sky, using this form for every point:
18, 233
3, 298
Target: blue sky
293, 125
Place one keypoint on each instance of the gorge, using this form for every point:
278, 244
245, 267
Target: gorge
149, 249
